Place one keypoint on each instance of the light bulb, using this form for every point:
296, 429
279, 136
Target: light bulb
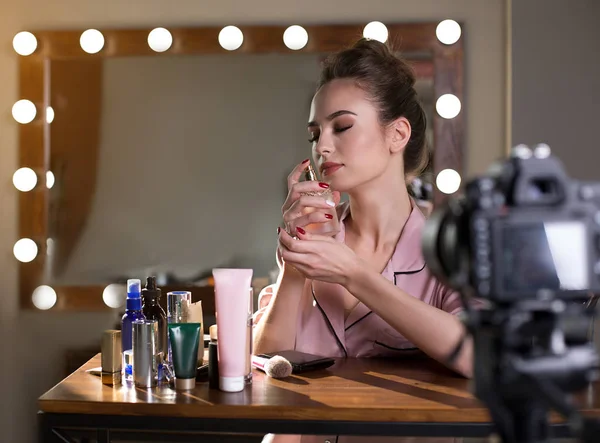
91, 41
24, 111
448, 181
448, 32
376, 31
448, 106
24, 43
49, 115
25, 250
44, 297
114, 295
25, 179
160, 39
49, 179
295, 37
231, 38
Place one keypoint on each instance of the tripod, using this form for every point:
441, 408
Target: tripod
528, 355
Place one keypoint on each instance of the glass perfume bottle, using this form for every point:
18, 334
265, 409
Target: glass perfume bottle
329, 226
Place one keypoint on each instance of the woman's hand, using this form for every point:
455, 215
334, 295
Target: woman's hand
301, 210
319, 257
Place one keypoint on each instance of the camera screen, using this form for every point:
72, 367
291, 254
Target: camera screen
545, 256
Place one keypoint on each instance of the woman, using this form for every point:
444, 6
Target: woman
364, 291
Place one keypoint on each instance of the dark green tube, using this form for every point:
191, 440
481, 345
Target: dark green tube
184, 339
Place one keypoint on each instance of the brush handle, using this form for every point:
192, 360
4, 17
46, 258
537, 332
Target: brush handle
259, 362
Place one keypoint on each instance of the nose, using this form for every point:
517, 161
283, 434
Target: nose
324, 146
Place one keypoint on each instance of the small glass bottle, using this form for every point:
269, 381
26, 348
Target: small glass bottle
152, 310
332, 225
133, 312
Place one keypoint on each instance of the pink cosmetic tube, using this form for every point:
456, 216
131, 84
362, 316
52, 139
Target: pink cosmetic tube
231, 301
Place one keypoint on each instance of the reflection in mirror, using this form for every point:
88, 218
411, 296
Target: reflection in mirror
174, 165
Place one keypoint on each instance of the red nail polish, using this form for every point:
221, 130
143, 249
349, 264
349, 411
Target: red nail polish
305, 161
323, 185
278, 230
300, 230
329, 216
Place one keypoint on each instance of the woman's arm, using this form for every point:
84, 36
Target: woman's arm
276, 329
432, 330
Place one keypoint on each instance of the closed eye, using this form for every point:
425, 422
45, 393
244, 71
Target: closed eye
345, 128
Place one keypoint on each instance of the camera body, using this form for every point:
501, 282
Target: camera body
524, 230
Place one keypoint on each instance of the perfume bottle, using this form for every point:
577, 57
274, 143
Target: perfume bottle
320, 228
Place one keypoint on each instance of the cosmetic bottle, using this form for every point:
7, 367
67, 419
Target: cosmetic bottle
111, 357
333, 224
213, 359
178, 303
145, 361
153, 311
133, 312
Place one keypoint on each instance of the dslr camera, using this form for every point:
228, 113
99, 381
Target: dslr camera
522, 231
524, 240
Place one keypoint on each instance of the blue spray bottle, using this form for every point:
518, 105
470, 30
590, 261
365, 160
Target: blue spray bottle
133, 312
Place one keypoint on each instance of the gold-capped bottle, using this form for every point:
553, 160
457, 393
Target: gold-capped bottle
331, 225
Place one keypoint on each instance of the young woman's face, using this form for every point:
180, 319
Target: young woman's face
349, 145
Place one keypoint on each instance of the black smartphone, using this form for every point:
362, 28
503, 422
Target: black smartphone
301, 361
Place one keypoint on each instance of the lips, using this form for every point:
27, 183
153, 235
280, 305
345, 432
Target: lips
329, 168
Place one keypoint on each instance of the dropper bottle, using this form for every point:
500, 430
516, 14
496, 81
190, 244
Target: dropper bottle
153, 311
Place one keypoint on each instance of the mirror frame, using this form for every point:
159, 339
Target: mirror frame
34, 142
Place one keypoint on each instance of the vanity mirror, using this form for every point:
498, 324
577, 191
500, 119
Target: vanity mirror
165, 151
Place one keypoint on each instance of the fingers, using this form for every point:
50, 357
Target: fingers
300, 206
302, 234
296, 173
298, 189
320, 217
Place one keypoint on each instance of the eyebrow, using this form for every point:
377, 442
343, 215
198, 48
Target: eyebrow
332, 116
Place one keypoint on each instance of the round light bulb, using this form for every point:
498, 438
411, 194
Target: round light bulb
25, 179
448, 106
25, 250
114, 295
49, 114
376, 31
448, 181
50, 179
44, 297
160, 39
25, 43
231, 38
24, 111
91, 41
295, 37
448, 32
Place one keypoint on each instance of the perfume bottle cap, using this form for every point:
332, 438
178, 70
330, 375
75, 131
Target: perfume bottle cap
309, 173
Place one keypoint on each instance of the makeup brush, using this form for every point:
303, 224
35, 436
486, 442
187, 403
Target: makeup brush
276, 366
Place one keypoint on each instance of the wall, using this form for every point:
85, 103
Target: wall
556, 93
40, 351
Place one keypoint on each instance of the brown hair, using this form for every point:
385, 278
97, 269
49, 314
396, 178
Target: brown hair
389, 81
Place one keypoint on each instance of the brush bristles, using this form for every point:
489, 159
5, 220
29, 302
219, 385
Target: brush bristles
278, 367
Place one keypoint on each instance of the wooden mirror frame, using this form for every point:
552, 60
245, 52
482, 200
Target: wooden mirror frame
34, 142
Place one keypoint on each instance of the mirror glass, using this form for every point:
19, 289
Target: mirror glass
173, 165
